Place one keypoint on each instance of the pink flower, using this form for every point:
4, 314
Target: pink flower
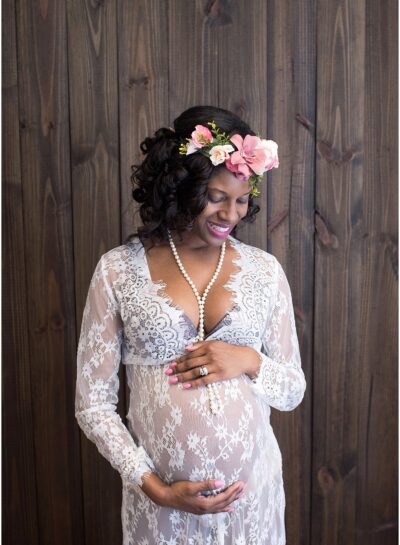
271, 149
201, 136
248, 159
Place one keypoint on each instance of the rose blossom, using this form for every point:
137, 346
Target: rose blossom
271, 149
219, 154
241, 170
201, 136
248, 159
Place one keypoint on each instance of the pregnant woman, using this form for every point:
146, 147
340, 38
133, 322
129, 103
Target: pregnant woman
204, 325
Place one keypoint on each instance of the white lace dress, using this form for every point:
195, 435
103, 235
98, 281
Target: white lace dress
127, 319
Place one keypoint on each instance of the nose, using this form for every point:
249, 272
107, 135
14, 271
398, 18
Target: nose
229, 212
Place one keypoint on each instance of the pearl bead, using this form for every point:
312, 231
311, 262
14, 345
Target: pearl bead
213, 394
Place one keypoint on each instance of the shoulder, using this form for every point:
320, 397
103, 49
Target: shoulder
120, 259
264, 260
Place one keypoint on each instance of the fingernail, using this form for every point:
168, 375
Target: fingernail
173, 364
219, 484
231, 510
168, 372
187, 386
241, 494
173, 380
189, 346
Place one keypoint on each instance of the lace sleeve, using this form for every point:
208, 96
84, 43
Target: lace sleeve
280, 377
98, 360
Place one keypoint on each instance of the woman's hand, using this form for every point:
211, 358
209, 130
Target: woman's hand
189, 495
222, 360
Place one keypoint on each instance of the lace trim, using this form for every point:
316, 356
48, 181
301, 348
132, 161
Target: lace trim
283, 385
157, 288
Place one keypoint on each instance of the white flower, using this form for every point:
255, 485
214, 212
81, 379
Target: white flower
269, 145
271, 153
191, 147
219, 154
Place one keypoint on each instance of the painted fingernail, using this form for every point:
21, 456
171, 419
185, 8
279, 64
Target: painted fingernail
230, 510
219, 484
241, 495
168, 372
187, 386
173, 380
189, 346
173, 364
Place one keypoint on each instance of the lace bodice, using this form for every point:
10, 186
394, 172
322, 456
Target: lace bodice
129, 319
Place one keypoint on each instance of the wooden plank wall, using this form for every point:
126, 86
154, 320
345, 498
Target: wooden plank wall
83, 83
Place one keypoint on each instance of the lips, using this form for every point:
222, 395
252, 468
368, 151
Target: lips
220, 224
219, 230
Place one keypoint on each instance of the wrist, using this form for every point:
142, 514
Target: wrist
253, 362
156, 489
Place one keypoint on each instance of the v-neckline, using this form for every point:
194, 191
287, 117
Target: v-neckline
167, 299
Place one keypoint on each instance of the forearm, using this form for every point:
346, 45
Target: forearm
251, 361
104, 427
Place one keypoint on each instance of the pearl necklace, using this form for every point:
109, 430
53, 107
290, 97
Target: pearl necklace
213, 394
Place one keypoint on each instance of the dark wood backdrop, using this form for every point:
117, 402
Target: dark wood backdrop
83, 82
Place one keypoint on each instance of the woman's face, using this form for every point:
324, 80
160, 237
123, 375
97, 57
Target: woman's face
228, 201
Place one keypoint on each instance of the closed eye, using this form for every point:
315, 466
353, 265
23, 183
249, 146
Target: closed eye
241, 201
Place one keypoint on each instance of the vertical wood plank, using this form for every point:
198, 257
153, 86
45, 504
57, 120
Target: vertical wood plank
377, 476
340, 271
193, 54
93, 88
143, 91
20, 524
43, 100
242, 84
290, 105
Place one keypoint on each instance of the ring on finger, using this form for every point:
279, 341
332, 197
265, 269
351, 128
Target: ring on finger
203, 371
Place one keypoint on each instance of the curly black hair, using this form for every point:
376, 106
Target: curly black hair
172, 188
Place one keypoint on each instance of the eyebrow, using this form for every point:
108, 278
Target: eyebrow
224, 192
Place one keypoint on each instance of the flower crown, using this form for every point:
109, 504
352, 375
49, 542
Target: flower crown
252, 157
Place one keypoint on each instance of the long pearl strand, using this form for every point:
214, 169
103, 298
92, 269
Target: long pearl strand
213, 394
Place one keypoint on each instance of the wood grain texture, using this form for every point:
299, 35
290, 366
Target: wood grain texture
45, 161
342, 270
290, 105
193, 53
93, 92
20, 523
84, 82
143, 91
377, 227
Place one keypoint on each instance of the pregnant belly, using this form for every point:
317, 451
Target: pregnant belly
186, 441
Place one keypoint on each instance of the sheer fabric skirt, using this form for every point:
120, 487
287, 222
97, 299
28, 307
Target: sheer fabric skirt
258, 519
186, 442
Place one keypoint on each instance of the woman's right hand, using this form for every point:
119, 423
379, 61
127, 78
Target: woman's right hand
189, 495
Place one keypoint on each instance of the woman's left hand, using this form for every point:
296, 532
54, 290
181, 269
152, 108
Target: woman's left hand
222, 360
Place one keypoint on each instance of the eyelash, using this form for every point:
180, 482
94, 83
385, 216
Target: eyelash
220, 200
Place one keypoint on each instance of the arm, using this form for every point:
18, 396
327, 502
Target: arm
97, 384
280, 377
